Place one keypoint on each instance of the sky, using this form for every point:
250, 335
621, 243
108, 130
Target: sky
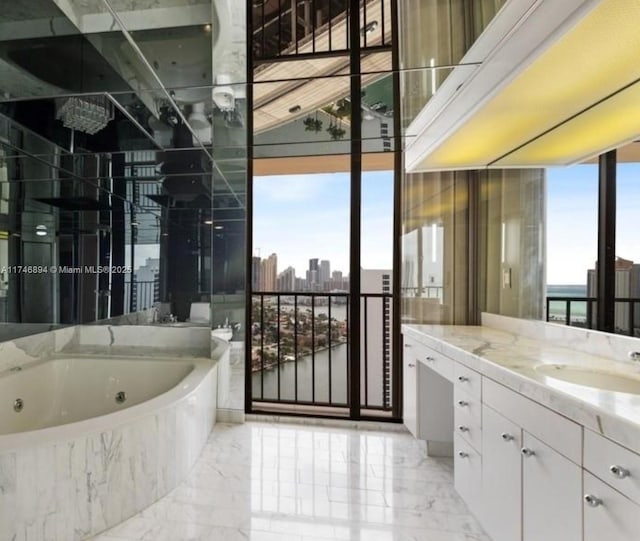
572, 220
300, 217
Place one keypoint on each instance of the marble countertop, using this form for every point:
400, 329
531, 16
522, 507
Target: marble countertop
510, 358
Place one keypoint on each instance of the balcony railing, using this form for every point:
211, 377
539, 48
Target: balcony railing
300, 352
580, 312
295, 28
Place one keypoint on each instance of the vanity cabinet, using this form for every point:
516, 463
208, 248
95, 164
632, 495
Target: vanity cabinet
608, 514
501, 508
551, 494
428, 397
410, 388
611, 502
528, 473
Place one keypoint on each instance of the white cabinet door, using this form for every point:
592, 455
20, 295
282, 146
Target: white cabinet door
467, 473
410, 388
608, 515
551, 494
501, 511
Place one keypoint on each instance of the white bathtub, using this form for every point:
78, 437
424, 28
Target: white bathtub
74, 461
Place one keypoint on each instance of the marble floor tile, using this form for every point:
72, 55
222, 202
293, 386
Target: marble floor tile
265, 481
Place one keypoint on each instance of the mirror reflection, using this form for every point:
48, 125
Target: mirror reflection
122, 164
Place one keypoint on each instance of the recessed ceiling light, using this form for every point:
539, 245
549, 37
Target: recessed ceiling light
208, 222
295, 109
370, 27
219, 227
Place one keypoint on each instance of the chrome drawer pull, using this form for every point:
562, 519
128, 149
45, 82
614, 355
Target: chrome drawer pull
619, 472
462, 403
506, 437
463, 455
429, 359
411, 365
527, 452
463, 428
463, 378
592, 501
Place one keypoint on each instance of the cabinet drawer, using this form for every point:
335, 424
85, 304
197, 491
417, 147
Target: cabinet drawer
439, 363
468, 417
467, 380
612, 463
552, 428
608, 515
467, 465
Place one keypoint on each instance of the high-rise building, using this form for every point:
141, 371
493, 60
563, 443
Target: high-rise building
269, 273
378, 344
287, 280
256, 273
627, 286
313, 275
324, 275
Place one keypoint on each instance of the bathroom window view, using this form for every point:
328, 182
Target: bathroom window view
300, 325
572, 236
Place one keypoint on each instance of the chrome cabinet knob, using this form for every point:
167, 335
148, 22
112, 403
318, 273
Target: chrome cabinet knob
462, 428
592, 501
506, 437
462, 403
411, 365
463, 378
619, 471
527, 452
462, 454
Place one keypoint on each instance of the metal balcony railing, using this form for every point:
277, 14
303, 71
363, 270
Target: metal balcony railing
300, 352
580, 312
292, 28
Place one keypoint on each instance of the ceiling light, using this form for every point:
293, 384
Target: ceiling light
219, 227
369, 28
542, 104
208, 222
88, 114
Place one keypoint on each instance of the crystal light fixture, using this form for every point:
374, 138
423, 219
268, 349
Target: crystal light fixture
87, 114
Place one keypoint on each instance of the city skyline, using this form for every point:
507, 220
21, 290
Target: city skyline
268, 275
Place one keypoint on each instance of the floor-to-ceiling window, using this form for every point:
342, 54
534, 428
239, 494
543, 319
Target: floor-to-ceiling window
323, 193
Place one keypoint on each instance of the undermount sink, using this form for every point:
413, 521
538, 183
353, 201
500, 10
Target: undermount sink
592, 377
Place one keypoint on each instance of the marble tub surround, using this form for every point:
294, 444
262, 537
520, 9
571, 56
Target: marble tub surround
230, 378
140, 340
282, 482
69, 482
509, 355
144, 317
35, 348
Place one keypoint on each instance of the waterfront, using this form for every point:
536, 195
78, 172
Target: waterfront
309, 372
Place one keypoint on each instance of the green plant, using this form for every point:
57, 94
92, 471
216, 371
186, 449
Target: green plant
312, 124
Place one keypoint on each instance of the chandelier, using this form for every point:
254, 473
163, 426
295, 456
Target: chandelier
87, 114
